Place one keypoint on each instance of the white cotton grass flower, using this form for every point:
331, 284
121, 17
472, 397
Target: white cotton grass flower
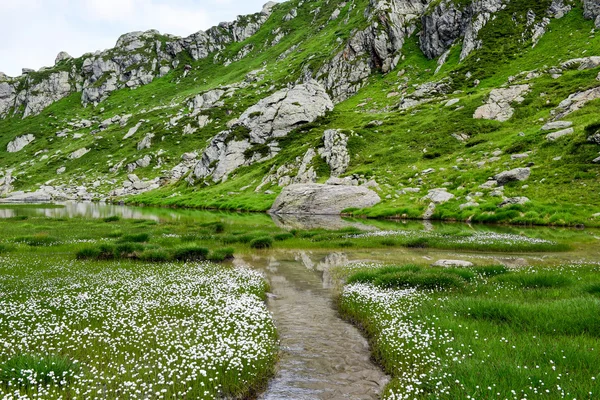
136, 330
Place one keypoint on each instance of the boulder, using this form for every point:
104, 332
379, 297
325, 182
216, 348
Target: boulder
452, 264
591, 10
438, 196
79, 153
323, 199
19, 143
146, 142
272, 117
498, 106
514, 201
518, 174
552, 126
557, 135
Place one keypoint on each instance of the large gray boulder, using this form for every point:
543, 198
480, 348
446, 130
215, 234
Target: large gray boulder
323, 199
19, 143
499, 104
518, 174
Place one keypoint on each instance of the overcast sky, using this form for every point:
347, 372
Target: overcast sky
33, 32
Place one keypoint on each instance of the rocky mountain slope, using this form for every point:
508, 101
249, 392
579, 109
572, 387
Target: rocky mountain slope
480, 110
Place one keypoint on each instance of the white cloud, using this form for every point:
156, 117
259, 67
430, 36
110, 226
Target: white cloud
80, 26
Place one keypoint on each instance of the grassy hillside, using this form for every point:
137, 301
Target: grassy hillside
563, 188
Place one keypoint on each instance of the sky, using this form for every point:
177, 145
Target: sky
33, 32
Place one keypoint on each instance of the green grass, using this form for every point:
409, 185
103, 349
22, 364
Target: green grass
532, 332
18, 371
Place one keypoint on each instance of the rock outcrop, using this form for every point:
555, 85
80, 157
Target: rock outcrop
499, 104
518, 174
575, 102
260, 125
323, 199
19, 143
377, 48
335, 151
591, 10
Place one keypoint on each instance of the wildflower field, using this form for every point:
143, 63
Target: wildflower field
480, 333
126, 328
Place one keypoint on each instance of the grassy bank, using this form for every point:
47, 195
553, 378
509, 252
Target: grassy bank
480, 333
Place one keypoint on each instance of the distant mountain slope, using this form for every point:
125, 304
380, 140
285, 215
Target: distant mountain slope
447, 109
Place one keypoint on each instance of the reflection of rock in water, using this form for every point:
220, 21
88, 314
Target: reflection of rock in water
7, 213
330, 222
320, 264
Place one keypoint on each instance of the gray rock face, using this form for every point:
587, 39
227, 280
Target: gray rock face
551, 126
591, 10
271, 118
278, 114
375, 48
323, 199
19, 143
62, 56
519, 174
7, 97
40, 95
335, 151
557, 135
448, 21
576, 101
498, 106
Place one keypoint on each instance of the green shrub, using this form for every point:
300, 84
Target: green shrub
425, 280
154, 255
190, 253
115, 234
89, 253
418, 243
261, 243
127, 249
280, 237
593, 289
113, 218
16, 370
221, 255
137, 238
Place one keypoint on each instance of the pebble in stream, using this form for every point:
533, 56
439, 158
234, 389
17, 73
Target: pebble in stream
322, 357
